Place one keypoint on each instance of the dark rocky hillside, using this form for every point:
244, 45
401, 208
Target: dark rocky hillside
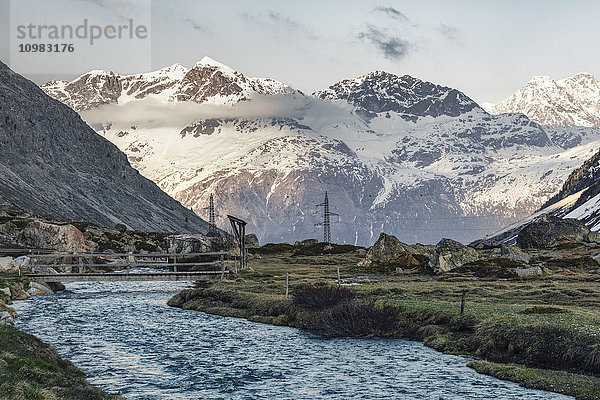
583, 177
54, 164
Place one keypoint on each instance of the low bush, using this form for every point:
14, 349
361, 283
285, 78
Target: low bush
317, 297
273, 248
357, 318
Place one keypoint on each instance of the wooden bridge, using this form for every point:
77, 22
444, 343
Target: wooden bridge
138, 276
126, 262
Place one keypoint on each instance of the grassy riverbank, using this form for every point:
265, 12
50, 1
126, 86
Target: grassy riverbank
542, 333
33, 370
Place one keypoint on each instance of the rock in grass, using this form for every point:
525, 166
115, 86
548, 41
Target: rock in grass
389, 252
514, 254
450, 254
529, 272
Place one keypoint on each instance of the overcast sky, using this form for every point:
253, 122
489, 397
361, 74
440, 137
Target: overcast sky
487, 49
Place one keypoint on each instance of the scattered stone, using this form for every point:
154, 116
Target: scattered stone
122, 228
21, 295
547, 232
9, 228
306, 242
55, 286
514, 253
23, 263
593, 237
7, 265
6, 318
6, 291
528, 272
44, 270
450, 254
360, 252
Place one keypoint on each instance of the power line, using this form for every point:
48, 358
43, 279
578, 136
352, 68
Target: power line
448, 218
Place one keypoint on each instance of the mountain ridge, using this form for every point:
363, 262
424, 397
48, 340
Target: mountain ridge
396, 154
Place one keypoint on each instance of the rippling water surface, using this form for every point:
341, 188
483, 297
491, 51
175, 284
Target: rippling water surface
128, 341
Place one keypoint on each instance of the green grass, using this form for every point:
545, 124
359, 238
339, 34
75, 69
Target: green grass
580, 386
31, 369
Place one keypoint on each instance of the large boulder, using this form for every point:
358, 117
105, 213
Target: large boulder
23, 263
450, 254
547, 232
251, 241
389, 252
44, 235
514, 254
37, 289
8, 265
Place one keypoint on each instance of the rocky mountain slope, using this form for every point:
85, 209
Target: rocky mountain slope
54, 164
579, 198
573, 101
396, 154
583, 188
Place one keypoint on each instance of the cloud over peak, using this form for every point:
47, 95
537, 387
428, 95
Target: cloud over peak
393, 47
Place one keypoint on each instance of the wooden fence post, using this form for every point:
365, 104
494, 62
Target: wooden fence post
222, 266
287, 284
462, 301
338, 274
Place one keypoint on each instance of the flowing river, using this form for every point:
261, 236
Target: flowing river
128, 341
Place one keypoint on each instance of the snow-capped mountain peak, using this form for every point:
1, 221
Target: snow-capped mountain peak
208, 81
209, 62
573, 101
381, 92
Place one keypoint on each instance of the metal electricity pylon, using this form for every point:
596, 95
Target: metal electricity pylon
212, 225
326, 223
